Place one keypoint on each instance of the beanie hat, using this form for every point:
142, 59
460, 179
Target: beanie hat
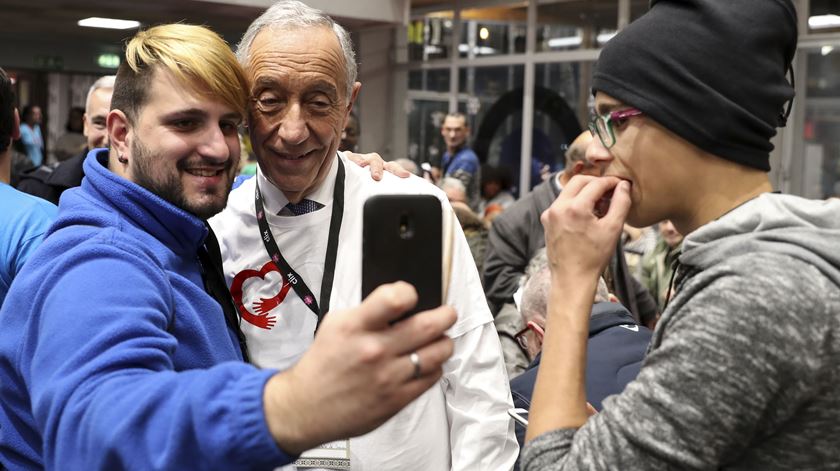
711, 71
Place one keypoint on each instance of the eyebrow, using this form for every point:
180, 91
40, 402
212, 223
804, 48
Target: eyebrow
605, 108
324, 87
195, 113
318, 85
265, 81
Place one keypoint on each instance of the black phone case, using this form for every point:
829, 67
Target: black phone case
402, 240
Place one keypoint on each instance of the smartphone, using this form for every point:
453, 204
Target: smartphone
519, 415
402, 239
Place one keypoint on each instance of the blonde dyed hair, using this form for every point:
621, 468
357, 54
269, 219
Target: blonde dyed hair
195, 55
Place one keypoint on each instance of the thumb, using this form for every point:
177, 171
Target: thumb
619, 204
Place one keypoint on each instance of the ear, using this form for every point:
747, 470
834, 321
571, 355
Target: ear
16, 128
119, 135
85, 125
537, 330
353, 95
578, 167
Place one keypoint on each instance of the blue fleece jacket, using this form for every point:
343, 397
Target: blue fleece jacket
119, 359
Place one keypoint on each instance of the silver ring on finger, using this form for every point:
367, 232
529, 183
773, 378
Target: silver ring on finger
415, 360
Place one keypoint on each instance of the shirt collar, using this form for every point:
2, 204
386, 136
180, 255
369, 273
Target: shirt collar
556, 186
274, 199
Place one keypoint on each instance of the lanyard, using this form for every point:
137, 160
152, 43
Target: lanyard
303, 291
210, 261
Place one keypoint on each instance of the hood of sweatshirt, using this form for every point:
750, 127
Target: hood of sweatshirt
808, 230
128, 207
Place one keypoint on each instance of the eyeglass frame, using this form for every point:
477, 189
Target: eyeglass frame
606, 120
520, 338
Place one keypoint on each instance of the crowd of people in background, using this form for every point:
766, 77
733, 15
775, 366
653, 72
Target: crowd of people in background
654, 305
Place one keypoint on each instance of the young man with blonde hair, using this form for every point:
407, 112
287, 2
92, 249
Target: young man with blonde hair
121, 359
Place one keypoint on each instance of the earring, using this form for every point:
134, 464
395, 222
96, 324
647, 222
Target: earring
122, 159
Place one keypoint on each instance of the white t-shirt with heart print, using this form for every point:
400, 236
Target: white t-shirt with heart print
461, 423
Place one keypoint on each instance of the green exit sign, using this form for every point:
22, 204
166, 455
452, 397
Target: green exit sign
108, 61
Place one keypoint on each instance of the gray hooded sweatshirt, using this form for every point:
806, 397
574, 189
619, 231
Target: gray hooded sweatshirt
743, 370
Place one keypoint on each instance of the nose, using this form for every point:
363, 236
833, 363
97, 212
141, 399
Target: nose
293, 129
215, 145
106, 140
598, 155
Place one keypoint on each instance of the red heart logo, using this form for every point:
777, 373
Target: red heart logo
261, 319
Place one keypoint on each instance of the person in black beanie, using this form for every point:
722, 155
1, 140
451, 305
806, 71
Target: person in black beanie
743, 370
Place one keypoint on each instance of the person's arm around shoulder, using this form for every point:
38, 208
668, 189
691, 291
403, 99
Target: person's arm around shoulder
377, 165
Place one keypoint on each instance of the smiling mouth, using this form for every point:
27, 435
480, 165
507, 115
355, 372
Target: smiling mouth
204, 172
296, 157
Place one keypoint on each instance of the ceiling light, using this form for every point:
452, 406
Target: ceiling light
109, 23
824, 21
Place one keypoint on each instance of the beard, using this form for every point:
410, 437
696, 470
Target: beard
168, 185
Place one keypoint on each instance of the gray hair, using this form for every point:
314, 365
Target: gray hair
537, 286
409, 165
288, 14
104, 82
452, 183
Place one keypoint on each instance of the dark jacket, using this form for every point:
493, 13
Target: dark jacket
614, 354
50, 182
517, 234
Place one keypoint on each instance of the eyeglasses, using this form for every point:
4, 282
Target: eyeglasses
602, 125
520, 337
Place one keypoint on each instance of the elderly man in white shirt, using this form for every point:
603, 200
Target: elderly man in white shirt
300, 218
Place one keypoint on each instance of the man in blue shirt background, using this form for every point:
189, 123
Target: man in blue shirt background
459, 161
30, 134
23, 218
